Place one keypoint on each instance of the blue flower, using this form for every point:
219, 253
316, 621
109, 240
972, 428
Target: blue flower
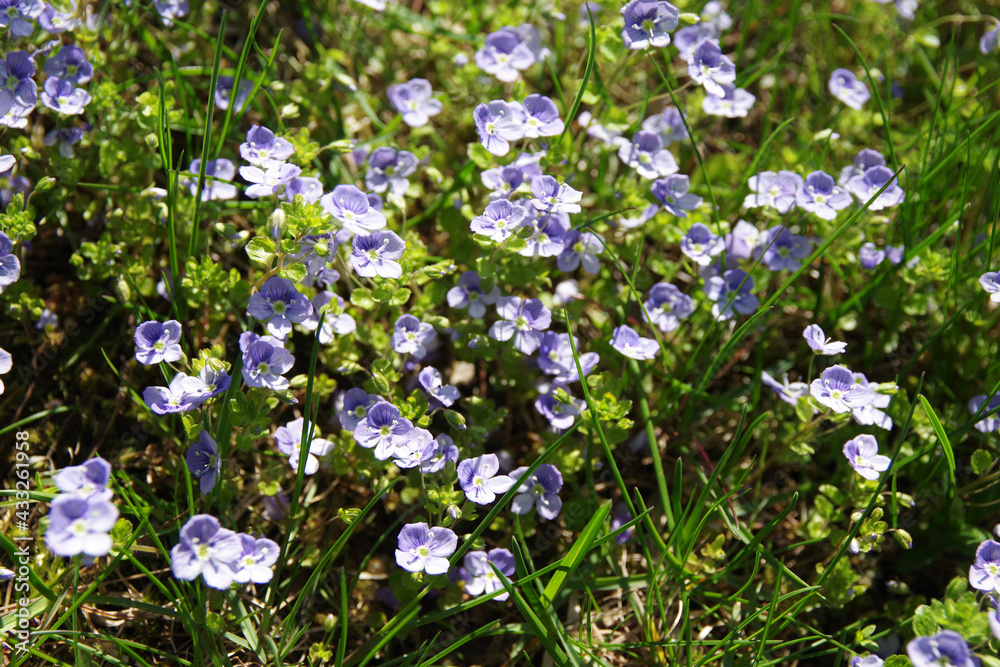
869, 256
631, 344
264, 362
62, 96
279, 304
732, 103
170, 10
667, 306
672, 192
66, 137
432, 382
848, 89
87, 479
540, 490
668, 124
647, 155
413, 100
709, 68
10, 265
820, 196
262, 147
479, 479
863, 161
356, 404
375, 254
384, 429
256, 560
203, 461
80, 525
581, 248
521, 320
479, 576
206, 549
865, 186
17, 89
560, 415
423, 549
782, 250
224, 91
70, 63
506, 53
552, 196
308, 187
619, 517
183, 395
648, 23
504, 181
270, 180
498, 123
340, 325
352, 208
444, 451
945, 648
731, 292
991, 423
555, 357
773, 190
417, 451
990, 41
550, 236
14, 14
499, 221
836, 389
789, 392
819, 343
216, 172
686, 39
288, 438
54, 21
388, 168
701, 244
214, 381
6, 363
541, 117
468, 293
862, 454
412, 336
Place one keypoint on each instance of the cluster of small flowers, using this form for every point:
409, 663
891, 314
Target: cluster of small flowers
82, 515
221, 556
160, 342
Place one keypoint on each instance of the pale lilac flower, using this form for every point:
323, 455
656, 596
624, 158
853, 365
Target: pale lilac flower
701, 244
19, 14
946, 648
672, 192
820, 196
993, 617
17, 88
648, 23
412, 336
552, 196
990, 281
714, 15
499, 221
869, 256
541, 117
10, 265
555, 357
789, 392
733, 103
819, 343
540, 490
504, 55
647, 155
184, 394
279, 304
863, 161
782, 250
619, 517
479, 576
628, 342
864, 188
65, 137
217, 172
498, 123
388, 169
668, 124
339, 325
743, 241
208, 549
213, 381
356, 405
224, 92
70, 63
872, 414
710, 69
262, 147
688, 38
6, 363
581, 248
264, 362
89, 478
521, 320
837, 390
550, 237
990, 423
288, 438
848, 89
61, 95
432, 382
423, 549
269, 181
667, 306
54, 21
444, 451
606, 135
862, 454
309, 187
417, 451
645, 216
773, 190
731, 292
80, 525
469, 294
375, 254
478, 478
352, 208
384, 429
203, 461
990, 41
870, 660
158, 341
257, 556
560, 415
413, 100
170, 10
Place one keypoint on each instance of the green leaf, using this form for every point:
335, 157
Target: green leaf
121, 532
949, 453
362, 298
897, 661
575, 556
956, 588
924, 623
982, 460
399, 297
261, 251
294, 272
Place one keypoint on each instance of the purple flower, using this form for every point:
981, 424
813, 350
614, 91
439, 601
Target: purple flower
310, 188
687, 39
388, 169
224, 92
270, 180
54, 21
413, 100
710, 69
216, 172
581, 248
540, 490
629, 343
384, 429
479, 576
541, 117
648, 23
647, 155
469, 293
444, 451
672, 192
356, 404
351, 207
819, 343
990, 281
375, 254
862, 454
848, 89
498, 123
170, 10
10, 265
771, 190
417, 451
184, 394
669, 124
6, 363
555, 357
66, 138
550, 237
499, 221
257, 556
430, 379
870, 660
412, 336
340, 325
647, 214
80, 525
264, 362
158, 342
521, 320
945, 648
63, 96
863, 161
213, 381
560, 415
789, 392
208, 549
279, 304
990, 423
701, 245
14, 14
864, 188
17, 89
869, 256
731, 292
87, 479
423, 549
667, 306
619, 517
821, 197
782, 250
552, 196
505, 54
69, 63
990, 41
288, 438
837, 390
262, 147
478, 478
203, 461
733, 103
